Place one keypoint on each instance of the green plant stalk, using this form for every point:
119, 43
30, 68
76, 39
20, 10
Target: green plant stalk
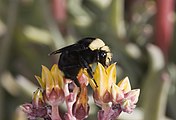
155, 103
58, 39
117, 18
156, 86
5, 45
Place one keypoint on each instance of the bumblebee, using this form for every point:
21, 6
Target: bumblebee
81, 55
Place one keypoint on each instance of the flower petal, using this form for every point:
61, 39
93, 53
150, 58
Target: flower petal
83, 95
127, 106
117, 93
40, 81
125, 85
83, 77
101, 79
46, 76
111, 72
57, 76
81, 107
92, 84
37, 98
133, 95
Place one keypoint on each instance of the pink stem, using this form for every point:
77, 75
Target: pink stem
55, 113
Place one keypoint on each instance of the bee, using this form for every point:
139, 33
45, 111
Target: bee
81, 55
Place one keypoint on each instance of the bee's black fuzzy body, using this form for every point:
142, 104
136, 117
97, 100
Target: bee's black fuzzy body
81, 55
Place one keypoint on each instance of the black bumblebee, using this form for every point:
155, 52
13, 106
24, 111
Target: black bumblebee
81, 54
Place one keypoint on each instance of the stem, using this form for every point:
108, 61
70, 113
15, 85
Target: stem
12, 13
117, 18
52, 26
69, 107
7, 40
156, 86
55, 113
164, 25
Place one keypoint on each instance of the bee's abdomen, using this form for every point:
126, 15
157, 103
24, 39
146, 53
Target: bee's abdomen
69, 64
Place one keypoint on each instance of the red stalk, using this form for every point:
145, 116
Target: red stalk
164, 25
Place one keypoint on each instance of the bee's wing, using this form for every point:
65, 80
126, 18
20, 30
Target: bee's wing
74, 47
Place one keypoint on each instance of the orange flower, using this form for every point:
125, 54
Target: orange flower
77, 101
81, 107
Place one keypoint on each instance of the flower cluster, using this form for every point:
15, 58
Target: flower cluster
112, 98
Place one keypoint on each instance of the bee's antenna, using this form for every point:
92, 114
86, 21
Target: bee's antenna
50, 54
54, 52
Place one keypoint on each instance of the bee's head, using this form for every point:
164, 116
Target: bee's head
104, 54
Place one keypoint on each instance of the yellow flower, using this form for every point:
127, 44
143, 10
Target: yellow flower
52, 83
104, 79
108, 94
36, 109
37, 98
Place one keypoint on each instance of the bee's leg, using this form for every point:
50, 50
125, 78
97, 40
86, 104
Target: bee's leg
71, 86
76, 81
89, 69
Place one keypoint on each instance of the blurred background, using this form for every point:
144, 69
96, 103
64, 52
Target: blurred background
140, 33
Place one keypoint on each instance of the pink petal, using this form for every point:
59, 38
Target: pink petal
133, 95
